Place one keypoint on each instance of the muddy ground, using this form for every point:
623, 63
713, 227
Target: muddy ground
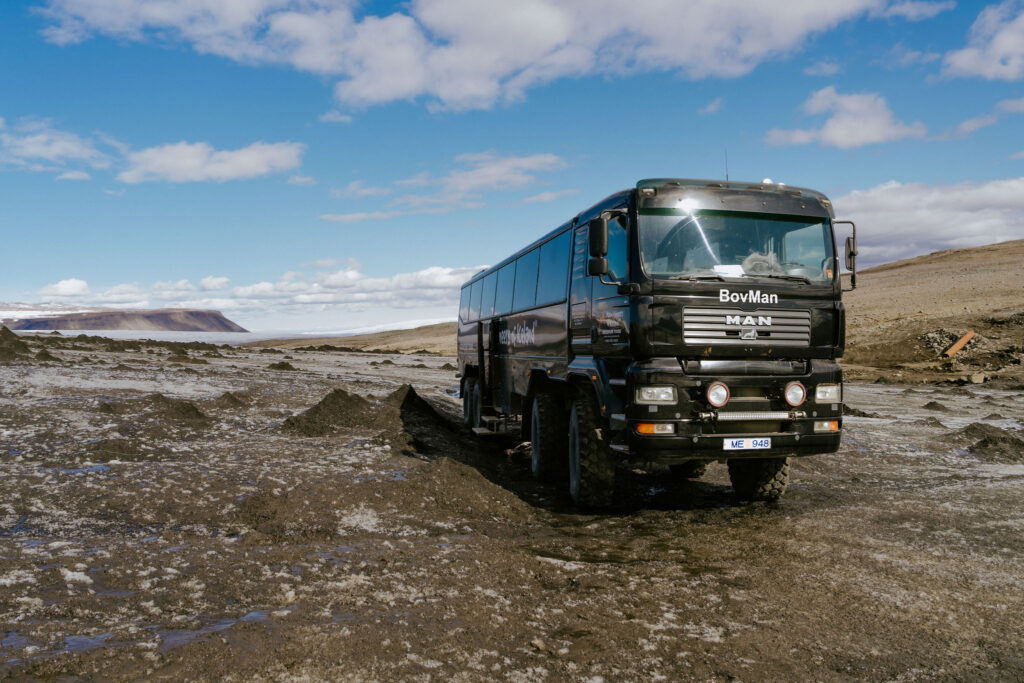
174, 512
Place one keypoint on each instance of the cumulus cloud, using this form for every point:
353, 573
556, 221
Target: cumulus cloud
900, 220
901, 56
38, 145
183, 162
855, 120
711, 107
467, 54
459, 188
914, 10
72, 287
211, 283
995, 45
301, 180
1012, 106
823, 68
74, 175
335, 116
334, 289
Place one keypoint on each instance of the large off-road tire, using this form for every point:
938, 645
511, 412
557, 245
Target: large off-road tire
691, 469
591, 463
759, 478
549, 437
468, 387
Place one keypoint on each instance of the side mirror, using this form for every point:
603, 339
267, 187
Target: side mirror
851, 260
599, 237
597, 266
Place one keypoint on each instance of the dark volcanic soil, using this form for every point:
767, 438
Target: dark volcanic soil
227, 520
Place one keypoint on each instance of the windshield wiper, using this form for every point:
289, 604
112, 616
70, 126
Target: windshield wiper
713, 276
795, 278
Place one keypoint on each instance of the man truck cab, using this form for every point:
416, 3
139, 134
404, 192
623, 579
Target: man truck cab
678, 322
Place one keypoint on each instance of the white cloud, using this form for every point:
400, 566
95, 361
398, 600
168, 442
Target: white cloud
335, 116
995, 45
361, 216
915, 10
74, 175
183, 162
211, 283
549, 196
711, 107
823, 68
855, 120
357, 189
970, 125
37, 145
1012, 106
1018, 155
72, 287
900, 220
902, 56
466, 54
301, 180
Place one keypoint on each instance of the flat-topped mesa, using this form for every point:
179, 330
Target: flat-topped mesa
162, 320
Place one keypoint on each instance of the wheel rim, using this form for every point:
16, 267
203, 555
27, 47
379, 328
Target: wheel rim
535, 439
574, 456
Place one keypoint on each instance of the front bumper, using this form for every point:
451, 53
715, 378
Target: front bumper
756, 409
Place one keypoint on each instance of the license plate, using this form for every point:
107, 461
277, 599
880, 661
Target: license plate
746, 444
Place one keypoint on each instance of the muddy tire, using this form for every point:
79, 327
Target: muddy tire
468, 389
549, 442
759, 479
591, 464
691, 469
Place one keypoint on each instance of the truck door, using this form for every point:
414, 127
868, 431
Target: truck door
609, 309
579, 296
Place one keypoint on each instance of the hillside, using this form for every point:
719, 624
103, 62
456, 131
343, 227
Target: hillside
166, 319
438, 338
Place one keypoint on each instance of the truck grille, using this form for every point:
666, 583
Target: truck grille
734, 327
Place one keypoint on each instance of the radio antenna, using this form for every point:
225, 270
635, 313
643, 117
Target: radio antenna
727, 164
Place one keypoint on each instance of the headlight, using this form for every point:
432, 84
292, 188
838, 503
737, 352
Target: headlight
666, 395
795, 394
718, 394
828, 393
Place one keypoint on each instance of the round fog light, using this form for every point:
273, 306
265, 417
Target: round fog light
795, 394
718, 394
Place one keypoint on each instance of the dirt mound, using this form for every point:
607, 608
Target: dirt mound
448, 366
930, 422
125, 450
176, 409
337, 410
451, 485
282, 365
857, 412
936, 406
386, 361
11, 346
230, 400
994, 416
45, 355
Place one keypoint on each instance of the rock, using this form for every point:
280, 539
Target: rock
978, 378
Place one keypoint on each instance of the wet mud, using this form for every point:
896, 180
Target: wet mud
223, 520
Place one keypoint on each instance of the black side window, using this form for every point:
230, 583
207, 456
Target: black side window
526, 280
474, 301
554, 270
464, 305
487, 300
618, 258
506, 285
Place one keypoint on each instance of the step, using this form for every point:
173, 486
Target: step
484, 431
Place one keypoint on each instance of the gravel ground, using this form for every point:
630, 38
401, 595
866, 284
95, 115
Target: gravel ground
159, 520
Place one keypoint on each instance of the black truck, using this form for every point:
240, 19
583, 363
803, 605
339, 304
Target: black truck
669, 325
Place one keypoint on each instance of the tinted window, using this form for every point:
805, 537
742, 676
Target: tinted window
487, 300
474, 301
526, 280
554, 270
618, 259
506, 283
464, 305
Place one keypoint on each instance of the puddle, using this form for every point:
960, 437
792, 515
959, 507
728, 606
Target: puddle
175, 638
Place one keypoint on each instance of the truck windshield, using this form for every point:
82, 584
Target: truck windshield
718, 244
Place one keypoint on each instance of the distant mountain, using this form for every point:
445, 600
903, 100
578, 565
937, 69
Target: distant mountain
158, 320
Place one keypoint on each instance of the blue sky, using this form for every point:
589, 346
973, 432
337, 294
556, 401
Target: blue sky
330, 164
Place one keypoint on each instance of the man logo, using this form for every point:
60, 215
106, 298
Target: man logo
748, 333
760, 321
